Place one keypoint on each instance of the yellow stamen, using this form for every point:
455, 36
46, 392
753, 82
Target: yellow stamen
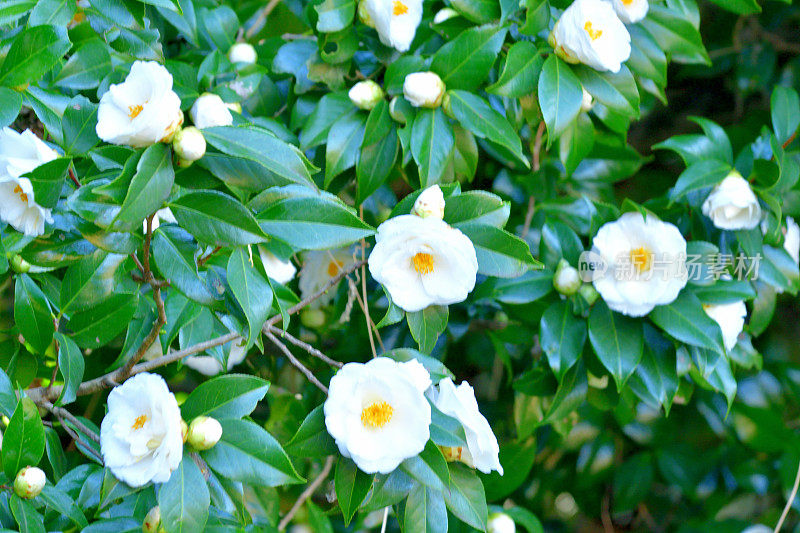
423, 263
627, 2
22, 195
593, 34
641, 259
134, 110
139, 422
399, 8
376, 415
333, 268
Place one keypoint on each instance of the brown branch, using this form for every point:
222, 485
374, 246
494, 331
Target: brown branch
72, 177
307, 493
202, 260
258, 24
305, 346
536, 165
62, 413
294, 360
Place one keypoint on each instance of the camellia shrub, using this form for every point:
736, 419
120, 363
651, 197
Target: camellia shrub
394, 265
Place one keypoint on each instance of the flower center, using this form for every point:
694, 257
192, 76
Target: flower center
423, 263
22, 195
627, 2
139, 422
593, 34
376, 415
134, 110
641, 259
333, 267
399, 8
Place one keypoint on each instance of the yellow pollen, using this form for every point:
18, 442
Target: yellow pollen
139, 422
423, 263
376, 415
641, 259
627, 2
134, 110
333, 268
399, 8
593, 34
22, 195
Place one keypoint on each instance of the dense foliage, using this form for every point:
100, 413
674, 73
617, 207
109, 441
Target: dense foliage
243, 197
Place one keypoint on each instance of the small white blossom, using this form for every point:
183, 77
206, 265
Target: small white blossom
204, 433
733, 204
430, 203
319, 267
395, 20
29, 482
424, 89
242, 53
209, 366
730, 318
276, 268
500, 523
209, 110
365, 94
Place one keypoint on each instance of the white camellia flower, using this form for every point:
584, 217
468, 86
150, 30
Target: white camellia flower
378, 414
276, 268
733, 204
140, 436
791, 239
460, 403
730, 318
141, 111
631, 11
20, 153
209, 366
365, 94
242, 53
645, 260
209, 110
424, 89
422, 262
500, 523
590, 32
430, 203
395, 20
319, 267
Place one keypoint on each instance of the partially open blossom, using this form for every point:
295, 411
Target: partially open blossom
587, 102
319, 267
20, 153
422, 262
377, 412
242, 53
29, 482
460, 403
500, 523
395, 20
566, 280
365, 94
590, 32
733, 204
152, 520
141, 111
430, 203
446, 13
424, 89
210, 366
791, 239
204, 433
275, 267
730, 318
645, 263
140, 436
631, 11
189, 144
209, 110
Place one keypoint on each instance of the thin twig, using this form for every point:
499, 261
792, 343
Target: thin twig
73, 178
202, 260
365, 305
536, 165
355, 292
385, 519
307, 493
295, 361
60, 412
789, 502
262, 18
77, 439
305, 346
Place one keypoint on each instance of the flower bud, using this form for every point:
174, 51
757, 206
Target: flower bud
204, 433
242, 53
189, 144
209, 110
589, 293
312, 318
236, 107
444, 14
18, 264
424, 89
732, 204
184, 430
400, 110
587, 102
363, 14
430, 203
566, 280
447, 106
500, 523
152, 521
365, 94
29, 482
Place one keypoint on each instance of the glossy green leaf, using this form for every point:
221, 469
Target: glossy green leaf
560, 96
215, 218
32, 313
352, 486
251, 291
23, 439
617, 340
427, 325
464, 62
184, 499
229, 396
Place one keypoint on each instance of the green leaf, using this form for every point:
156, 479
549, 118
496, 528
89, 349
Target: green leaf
562, 336
173, 253
675, 35
312, 438
570, 395
52, 12
378, 151
466, 498
98, 325
432, 144
425, 511
215, 218
475, 115
617, 340
686, 320
343, 145
87, 67
537, 17
47, 180
524, 289
477, 207
59, 501
28, 520
228, 396
740, 7
352, 486
520, 73
560, 96
32, 53
148, 189
429, 467
248, 454
334, 15
698, 176
91, 280
71, 366
785, 109
500, 253
23, 439
576, 142
656, 378
78, 126
617, 91
8, 398
184, 499
632, 482
32, 313
12, 10
251, 290
464, 62
10, 105
426, 326
330, 108
647, 58
478, 11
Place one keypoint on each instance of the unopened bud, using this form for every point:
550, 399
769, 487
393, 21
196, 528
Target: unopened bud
424, 89
500, 523
589, 293
236, 107
152, 521
242, 53
189, 144
204, 433
365, 94
430, 203
444, 14
587, 101
312, 318
460, 454
18, 264
566, 280
29, 482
